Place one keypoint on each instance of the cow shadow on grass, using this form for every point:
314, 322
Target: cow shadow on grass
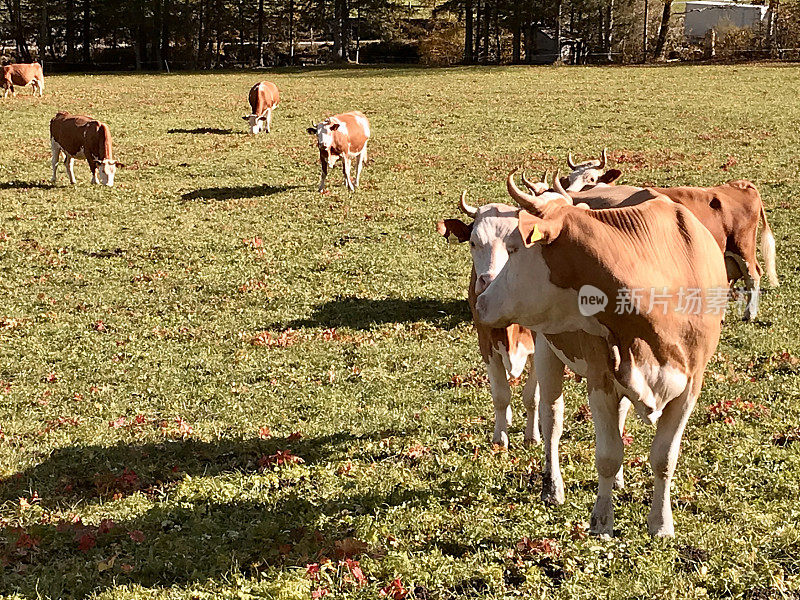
92, 473
236, 192
203, 130
366, 313
26, 185
286, 526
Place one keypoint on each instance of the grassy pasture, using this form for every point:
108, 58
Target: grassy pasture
163, 343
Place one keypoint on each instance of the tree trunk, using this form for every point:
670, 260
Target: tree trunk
44, 33
486, 21
260, 41
87, 31
772, 28
558, 32
468, 38
609, 29
644, 31
166, 21
658, 51
69, 30
291, 31
157, 30
516, 50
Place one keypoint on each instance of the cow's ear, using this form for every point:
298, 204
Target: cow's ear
247, 118
610, 176
334, 126
535, 229
312, 130
119, 164
454, 230
262, 118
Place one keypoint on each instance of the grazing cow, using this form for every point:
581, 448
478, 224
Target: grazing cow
342, 136
23, 74
264, 98
78, 136
654, 351
493, 235
731, 212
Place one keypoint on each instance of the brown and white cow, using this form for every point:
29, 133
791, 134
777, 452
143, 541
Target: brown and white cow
23, 74
79, 136
653, 352
342, 136
589, 173
493, 235
264, 98
731, 212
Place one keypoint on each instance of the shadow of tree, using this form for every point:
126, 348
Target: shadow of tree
211, 130
195, 541
25, 185
236, 192
81, 473
365, 313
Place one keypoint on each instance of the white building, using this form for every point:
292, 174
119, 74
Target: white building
702, 15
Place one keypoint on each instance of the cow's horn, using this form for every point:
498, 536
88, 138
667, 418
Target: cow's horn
603, 158
468, 210
560, 189
570, 164
528, 184
526, 201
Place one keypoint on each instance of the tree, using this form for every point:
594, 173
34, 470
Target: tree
658, 51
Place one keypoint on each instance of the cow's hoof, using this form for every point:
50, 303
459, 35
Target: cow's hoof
552, 491
501, 439
602, 523
532, 441
660, 527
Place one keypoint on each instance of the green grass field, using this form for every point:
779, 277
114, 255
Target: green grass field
169, 346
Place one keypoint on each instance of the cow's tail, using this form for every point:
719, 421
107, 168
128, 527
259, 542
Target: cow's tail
768, 248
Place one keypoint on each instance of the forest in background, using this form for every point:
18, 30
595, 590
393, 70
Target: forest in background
202, 34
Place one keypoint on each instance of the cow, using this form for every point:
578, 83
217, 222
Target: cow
493, 235
731, 212
342, 136
79, 136
589, 173
264, 98
23, 74
653, 352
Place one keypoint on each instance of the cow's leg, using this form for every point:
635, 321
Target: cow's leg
501, 398
6, 91
40, 85
56, 150
752, 283
622, 415
530, 399
68, 163
664, 457
323, 175
550, 375
346, 162
93, 167
362, 158
269, 120
608, 453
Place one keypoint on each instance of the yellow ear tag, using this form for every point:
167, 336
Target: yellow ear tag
535, 235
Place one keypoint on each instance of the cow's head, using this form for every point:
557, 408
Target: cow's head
492, 235
590, 173
324, 133
257, 123
106, 169
522, 291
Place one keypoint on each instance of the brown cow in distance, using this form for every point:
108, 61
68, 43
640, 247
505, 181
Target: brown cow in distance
79, 136
23, 74
342, 136
264, 98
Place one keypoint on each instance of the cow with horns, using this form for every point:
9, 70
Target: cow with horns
589, 173
342, 136
493, 235
731, 212
654, 358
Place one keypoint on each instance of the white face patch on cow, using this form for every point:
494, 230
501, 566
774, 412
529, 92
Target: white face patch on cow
256, 123
106, 169
495, 236
584, 175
